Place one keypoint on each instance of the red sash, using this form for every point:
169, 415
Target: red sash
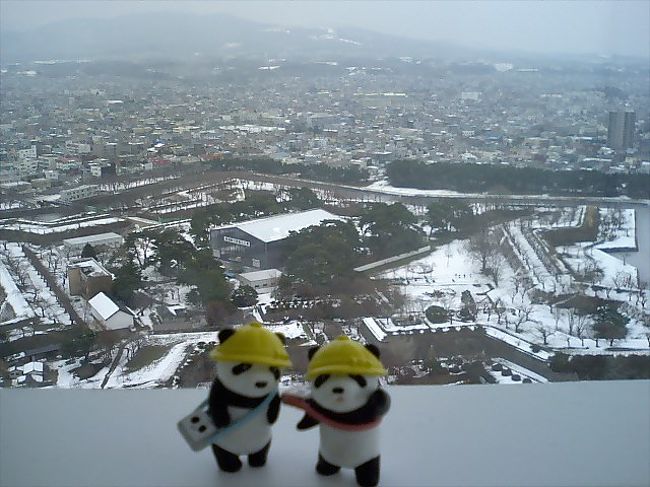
300, 403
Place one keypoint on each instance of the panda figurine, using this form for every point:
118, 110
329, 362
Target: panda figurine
348, 403
248, 361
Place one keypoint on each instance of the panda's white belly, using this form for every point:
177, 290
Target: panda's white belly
249, 438
348, 448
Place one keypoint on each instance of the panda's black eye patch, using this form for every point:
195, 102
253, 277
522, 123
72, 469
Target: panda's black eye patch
320, 380
361, 380
276, 372
240, 368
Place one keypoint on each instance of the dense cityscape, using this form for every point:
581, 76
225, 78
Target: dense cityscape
482, 221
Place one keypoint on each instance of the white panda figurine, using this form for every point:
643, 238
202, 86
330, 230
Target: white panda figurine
348, 403
248, 370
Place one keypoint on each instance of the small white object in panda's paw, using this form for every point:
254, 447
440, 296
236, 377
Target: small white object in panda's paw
348, 402
197, 428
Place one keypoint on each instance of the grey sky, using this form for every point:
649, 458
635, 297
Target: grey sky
605, 27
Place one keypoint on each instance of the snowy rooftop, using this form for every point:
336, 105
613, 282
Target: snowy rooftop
32, 367
546, 434
278, 227
91, 238
381, 327
261, 275
90, 267
104, 305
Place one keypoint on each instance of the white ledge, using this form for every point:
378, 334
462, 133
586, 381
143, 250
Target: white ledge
569, 434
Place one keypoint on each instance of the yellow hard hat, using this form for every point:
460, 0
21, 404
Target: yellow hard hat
252, 344
343, 356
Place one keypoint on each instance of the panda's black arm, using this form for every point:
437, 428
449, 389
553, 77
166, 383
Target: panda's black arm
379, 402
306, 422
218, 409
273, 410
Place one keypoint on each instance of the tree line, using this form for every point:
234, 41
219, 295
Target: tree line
318, 172
322, 259
173, 256
479, 178
257, 204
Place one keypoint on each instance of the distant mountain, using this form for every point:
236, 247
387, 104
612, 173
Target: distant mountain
180, 36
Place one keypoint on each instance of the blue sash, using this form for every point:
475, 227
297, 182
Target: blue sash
244, 419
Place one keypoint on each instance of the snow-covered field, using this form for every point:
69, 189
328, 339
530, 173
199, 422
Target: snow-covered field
58, 226
27, 291
617, 229
440, 277
154, 375
447, 271
385, 187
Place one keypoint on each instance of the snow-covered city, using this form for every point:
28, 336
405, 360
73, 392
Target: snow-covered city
306, 243
530, 287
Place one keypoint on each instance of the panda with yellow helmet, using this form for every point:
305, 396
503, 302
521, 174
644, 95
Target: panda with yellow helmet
248, 362
348, 403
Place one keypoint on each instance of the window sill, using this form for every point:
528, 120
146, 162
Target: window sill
586, 433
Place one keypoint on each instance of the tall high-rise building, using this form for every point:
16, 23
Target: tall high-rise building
620, 131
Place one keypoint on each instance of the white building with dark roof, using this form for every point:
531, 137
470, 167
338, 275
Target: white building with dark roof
257, 244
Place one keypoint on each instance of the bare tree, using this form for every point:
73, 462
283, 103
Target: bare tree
571, 319
544, 332
522, 316
134, 345
621, 279
107, 341
642, 294
517, 282
557, 316
481, 246
22, 275
581, 326
609, 289
449, 252
41, 304
496, 267
536, 269
499, 309
646, 322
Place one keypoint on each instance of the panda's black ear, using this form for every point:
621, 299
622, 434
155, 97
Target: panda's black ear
225, 334
282, 338
373, 350
312, 351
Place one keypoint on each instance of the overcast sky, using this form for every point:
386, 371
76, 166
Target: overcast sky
604, 27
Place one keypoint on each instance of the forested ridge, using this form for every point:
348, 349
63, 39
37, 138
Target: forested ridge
479, 178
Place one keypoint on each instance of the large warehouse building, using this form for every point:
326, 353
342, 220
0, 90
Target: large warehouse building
257, 244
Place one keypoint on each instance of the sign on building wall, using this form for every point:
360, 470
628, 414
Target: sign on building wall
236, 241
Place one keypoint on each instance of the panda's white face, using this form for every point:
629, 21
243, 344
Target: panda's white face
250, 380
343, 393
